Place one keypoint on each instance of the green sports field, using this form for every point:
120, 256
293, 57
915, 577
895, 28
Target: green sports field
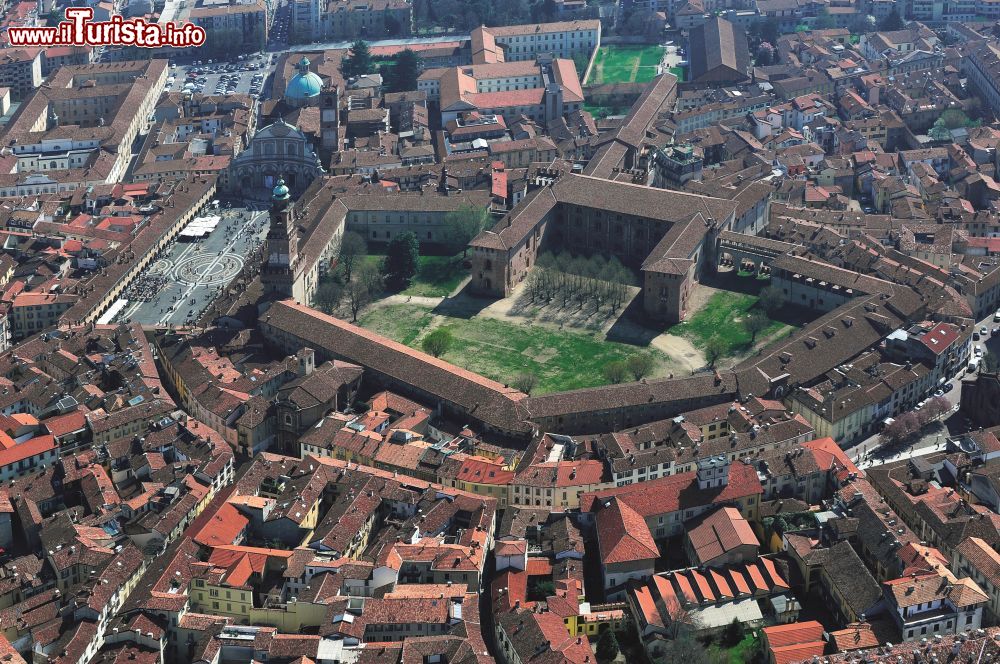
625, 64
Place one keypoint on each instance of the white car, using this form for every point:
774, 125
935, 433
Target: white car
979, 351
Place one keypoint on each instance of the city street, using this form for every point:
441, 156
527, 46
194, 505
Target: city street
870, 452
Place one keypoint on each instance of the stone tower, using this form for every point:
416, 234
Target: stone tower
329, 120
278, 274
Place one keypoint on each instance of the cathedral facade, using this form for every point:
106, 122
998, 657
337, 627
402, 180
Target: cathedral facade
276, 151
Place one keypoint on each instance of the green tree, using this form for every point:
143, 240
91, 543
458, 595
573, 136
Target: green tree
392, 26
401, 260
615, 371
769, 30
525, 382
954, 118
358, 60
463, 225
607, 646
685, 648
437, 342
404, 71
715, 348
352, 247
755, 323
939, 132
892, 21
771, 300
824, 21
989, 362
764, 55
639, 365
734, 633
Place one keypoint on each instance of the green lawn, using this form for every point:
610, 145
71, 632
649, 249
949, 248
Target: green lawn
500, 350
722, 316
438, 275
678, 72
625, 64
600, 112
402, 322
733, 655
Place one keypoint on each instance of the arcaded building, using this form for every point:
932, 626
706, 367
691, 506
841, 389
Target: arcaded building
668, 235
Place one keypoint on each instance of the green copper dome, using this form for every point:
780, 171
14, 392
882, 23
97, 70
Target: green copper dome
280, 191
304, 84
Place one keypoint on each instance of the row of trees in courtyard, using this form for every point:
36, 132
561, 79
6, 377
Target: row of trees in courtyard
566, 278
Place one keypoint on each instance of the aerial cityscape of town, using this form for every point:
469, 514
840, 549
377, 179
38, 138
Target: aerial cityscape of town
500, 332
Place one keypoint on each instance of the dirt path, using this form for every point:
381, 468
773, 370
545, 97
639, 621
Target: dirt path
417, 300
597, 71
680, 351
635, 70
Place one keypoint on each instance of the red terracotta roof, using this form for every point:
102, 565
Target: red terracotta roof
623, 535
222, 528
679, 492
940, 337
795, 642
798, 632
29, 448
719, 533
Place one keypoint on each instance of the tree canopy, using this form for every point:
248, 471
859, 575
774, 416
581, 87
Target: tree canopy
715, 348
402, 74
358, 60
607, 646
892, 21
401, 260
463, 225
437, 342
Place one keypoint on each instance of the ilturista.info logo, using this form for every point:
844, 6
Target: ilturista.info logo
79, 29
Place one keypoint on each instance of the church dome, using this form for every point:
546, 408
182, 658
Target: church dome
304, 84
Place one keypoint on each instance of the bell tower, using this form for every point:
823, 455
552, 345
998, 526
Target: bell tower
278, 275
329, 120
